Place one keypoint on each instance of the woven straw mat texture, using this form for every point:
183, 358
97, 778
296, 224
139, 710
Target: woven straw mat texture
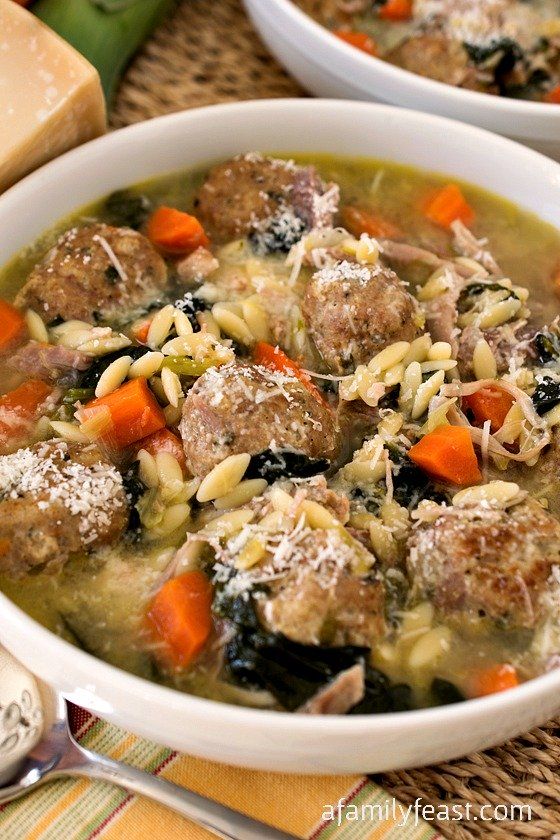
207, 52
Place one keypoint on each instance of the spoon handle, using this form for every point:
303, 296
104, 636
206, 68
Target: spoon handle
223, 821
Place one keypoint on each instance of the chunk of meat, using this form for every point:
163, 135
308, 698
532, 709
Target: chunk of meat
48, 361
466, 244
442, 314
247, 408
317, 490
275, 200
510, 344
344, 692
488, 562
57, 499
97, 271
353, 311
197, 266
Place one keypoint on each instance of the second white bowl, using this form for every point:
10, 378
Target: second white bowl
326, 66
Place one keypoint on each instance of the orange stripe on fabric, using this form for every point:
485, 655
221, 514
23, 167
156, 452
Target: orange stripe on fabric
292, 803
53, 813
123, 747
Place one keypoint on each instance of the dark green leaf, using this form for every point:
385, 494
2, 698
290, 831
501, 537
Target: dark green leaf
285, 464
468, 295
445, 692
546, 395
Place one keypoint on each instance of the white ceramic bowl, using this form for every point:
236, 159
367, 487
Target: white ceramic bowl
271, 740
327, 66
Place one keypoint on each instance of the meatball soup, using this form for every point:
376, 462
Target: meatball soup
286, 434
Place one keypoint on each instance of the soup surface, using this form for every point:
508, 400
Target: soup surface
503, 47
285, 434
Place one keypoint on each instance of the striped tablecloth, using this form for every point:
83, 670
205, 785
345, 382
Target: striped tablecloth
313, 807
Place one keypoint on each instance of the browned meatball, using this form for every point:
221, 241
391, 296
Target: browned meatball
352, 311
244, 408
487, 562
320, 601
432, 55
79, 277
57, 499
274, 200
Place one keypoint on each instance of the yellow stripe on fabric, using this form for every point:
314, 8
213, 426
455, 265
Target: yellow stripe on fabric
293, 803
77, 789
78, 822
69, 810
376, 819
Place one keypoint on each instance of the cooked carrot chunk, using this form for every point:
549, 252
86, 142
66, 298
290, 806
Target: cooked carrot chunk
359, 40
553, 95
176, 232
493, 679
140, 331
272, 357
11, 324
181, 617
447, 454
447, 205
133, 413
164, 441
492, 403
396, 10
19, 408
358, 221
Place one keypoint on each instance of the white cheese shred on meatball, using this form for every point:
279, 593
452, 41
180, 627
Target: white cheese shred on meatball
112, 256
88, 492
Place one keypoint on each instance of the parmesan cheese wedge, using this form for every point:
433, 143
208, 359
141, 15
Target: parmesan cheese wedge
50, 96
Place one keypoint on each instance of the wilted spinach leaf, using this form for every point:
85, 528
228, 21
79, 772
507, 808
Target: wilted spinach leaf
546, 395
125, 208
445, 692
294, 672
547, 346
285, 464
468, 295
411, 485
92, 375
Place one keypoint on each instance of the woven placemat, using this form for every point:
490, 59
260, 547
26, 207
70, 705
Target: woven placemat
207, 52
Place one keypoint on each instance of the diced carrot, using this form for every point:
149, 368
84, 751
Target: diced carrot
447, 454
272, 357
11, 324
396, 10
140, 331
356, 39
492, 403
358, 221
164, 441
175, 231
19, 408
134, 413
447, 205
181, 617
553, 96
4, 546
493, 679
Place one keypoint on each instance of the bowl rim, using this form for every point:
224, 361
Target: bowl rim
103, 673
413, 81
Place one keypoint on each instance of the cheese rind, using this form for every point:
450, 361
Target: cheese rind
50, 96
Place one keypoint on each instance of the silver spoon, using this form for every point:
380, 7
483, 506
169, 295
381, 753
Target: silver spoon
58, 754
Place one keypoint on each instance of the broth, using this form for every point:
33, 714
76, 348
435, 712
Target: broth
99, 600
